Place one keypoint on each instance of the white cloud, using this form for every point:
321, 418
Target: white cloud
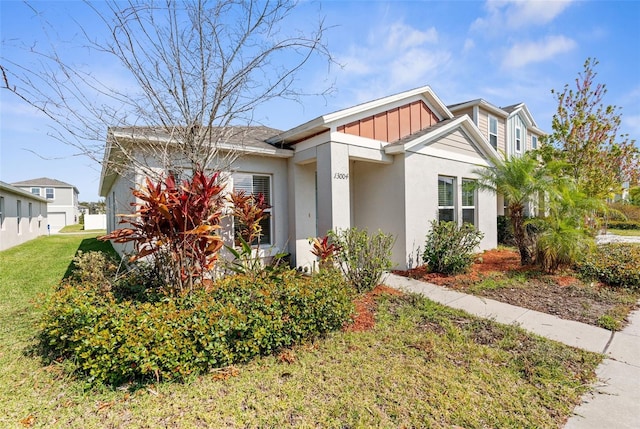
518, 14
469, 44
392, 57
522, 54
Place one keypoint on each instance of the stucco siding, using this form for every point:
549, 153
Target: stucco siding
378, 201
31, 224
421, 196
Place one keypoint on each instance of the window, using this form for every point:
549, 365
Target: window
30, 215
35, 191
49, 193
518, 140
493, 132
534, 142
256, 184
446, 198
19, 213
468, 201
1, 212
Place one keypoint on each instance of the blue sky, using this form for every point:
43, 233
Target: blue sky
503, 51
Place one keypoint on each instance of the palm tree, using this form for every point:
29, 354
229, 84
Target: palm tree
519, 180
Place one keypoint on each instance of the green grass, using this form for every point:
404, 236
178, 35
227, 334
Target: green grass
423, 365
80, 228
625, 232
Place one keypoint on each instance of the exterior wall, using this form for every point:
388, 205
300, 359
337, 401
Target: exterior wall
276, 168
302, 212
421, 196
483, 126
30, 227
63, 208
118, 201
514, 122
379, 201
393, 124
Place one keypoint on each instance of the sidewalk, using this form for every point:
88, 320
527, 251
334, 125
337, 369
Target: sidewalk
615, 401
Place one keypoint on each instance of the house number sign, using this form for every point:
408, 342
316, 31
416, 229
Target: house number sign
341, 176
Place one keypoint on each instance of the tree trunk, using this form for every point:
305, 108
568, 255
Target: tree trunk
520, 233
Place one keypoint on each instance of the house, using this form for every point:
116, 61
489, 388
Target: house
23, 216
393, 164
510, 130
62, 200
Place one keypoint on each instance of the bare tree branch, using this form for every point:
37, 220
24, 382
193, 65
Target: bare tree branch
194, 68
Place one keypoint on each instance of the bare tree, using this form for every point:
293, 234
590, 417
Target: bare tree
196, 68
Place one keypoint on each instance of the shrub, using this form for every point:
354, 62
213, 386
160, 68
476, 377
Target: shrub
560, 242
616, 264
363, 258
95, 268
113, 341
175, 226
624, 211
621, 224
449, 249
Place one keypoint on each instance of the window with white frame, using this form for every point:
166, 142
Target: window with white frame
446, 199
19, 213
1, 212
493, 132
49, 193
35, 191
518, 139
534, 142
468, 201
257, 184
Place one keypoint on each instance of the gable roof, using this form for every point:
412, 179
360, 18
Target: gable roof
333, 120
18, 191
463, 123
521, 108
45, 182
481, 103
244, 139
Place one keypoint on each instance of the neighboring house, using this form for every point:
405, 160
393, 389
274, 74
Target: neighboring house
393, 164
23, 216
61, 197
510, 130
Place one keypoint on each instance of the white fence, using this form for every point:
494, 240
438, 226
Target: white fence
95, 221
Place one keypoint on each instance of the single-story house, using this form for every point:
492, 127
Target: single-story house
392, 164
23, 216
62, 199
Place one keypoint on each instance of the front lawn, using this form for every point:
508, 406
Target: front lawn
421, 365
624, 232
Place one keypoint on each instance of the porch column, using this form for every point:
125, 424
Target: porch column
333, 187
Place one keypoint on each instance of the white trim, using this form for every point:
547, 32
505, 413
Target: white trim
489, 134
463, 122
446, 154
345, 116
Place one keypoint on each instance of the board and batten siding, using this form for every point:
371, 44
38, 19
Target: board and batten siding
393, 124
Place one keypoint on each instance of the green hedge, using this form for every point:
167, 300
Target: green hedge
616, 264
622, 224
114, 341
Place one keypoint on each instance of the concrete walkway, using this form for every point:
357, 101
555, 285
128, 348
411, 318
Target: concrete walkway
615, 401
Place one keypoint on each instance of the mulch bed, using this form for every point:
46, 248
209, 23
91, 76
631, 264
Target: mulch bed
364, 318
562, 294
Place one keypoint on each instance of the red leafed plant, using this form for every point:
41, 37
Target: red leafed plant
176, 226
248, 212
324, 250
